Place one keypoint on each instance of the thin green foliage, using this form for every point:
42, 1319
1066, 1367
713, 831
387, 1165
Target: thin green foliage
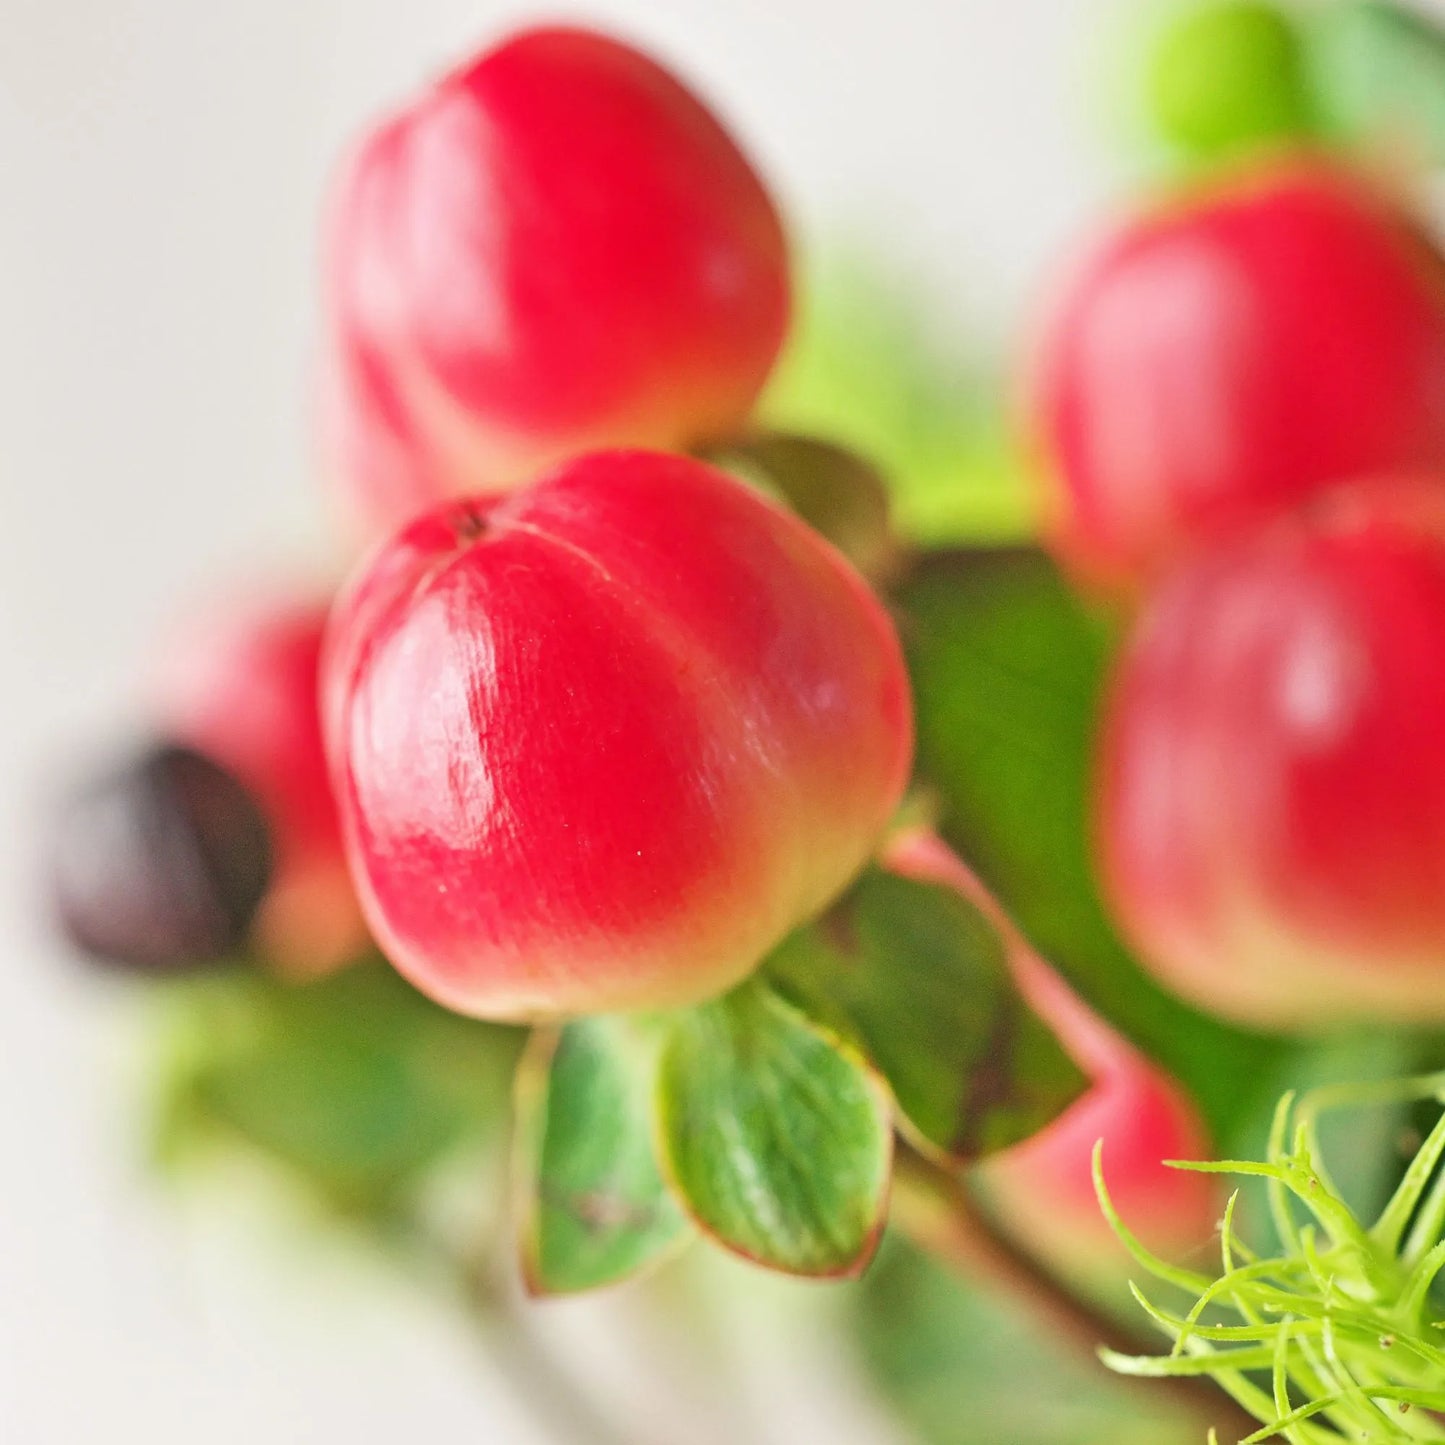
1335, 1336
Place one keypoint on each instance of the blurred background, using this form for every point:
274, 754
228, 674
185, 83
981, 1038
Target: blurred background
162, 165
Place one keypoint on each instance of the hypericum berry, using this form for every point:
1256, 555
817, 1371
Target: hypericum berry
1272, 783
160, 863
241, 685
1228, 355
601, 743
553, 249
835, 491
1230, 74
1043, 1188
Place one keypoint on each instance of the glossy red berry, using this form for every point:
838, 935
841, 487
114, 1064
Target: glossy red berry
1272, 789
241, 685
1043, 1189
602, 743
1226, 356
555, 248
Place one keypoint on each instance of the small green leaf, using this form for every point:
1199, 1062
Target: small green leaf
355, 1083
1008, 669
918, 978
777, 1141
594, 1207
835, 491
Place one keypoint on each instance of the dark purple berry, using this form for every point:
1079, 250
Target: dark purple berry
159, 864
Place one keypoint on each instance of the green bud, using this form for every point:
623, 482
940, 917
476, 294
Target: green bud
1227, 76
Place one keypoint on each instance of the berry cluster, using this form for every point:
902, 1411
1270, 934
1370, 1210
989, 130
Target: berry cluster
1242, 402
604, 724
607, 734
610, 725
673, 811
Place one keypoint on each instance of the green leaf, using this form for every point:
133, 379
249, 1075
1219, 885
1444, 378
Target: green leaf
595, 1209
967, 1367
869, 367
835, 491
1379, 73
355, 1084
1007, 670
777, 1141
919, 980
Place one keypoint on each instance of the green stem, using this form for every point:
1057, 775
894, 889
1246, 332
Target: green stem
552, 1394
1429, 1226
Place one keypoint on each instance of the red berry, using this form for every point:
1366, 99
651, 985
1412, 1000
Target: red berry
602, 743
1043, 1188
242, 687
1226, 356
555, 248
1272, 792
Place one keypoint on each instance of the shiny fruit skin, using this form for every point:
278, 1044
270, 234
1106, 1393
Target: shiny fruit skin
601, 743
1042, 1189
556, 248
1271, 791
241, 685
1226, 356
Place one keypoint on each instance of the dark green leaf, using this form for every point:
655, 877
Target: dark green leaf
918, 978
595, 1207
835, 491
775, 1138
354, 1083
1007, 672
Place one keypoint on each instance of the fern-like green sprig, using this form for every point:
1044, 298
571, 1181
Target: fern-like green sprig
1331, 1338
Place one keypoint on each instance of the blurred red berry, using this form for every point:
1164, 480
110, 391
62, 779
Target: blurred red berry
1272, 790
241, 686
602, 743
1227, 355
553, 249
1043, 1188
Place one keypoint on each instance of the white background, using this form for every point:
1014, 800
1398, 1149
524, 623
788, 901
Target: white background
161, 165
